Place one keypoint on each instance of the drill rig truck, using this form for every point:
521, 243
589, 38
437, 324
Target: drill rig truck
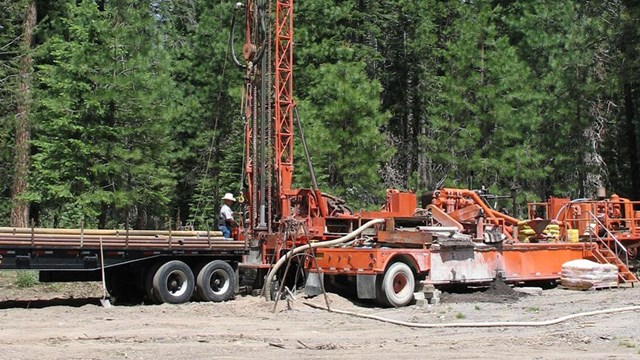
384, 255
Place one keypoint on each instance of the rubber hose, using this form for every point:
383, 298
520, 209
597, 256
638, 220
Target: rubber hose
479, 324
231, 41
314, 245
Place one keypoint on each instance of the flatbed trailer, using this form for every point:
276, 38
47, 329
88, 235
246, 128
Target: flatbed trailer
159, 266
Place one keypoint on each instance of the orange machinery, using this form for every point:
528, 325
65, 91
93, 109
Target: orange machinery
467, 207
458, 238
614, 219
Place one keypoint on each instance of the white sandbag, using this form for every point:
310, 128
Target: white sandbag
584, 274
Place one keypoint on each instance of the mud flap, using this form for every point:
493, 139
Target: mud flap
366, 285
313, 285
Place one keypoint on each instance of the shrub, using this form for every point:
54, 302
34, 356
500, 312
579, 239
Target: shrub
25, 279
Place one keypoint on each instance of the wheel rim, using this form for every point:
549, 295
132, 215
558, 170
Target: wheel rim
219, 281
400, 282
177, 283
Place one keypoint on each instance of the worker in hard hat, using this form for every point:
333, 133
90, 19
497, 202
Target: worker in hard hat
225, 218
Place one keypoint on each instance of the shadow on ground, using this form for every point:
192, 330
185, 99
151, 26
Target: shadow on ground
45, 303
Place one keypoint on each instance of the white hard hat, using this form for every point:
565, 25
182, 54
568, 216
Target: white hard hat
229, 196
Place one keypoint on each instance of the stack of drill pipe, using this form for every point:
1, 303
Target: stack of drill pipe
14, 230
90, 238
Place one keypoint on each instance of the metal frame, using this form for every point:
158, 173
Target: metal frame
284, 104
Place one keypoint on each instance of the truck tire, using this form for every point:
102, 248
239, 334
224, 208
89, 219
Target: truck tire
216, 282
148, 283
173, 283
397, 286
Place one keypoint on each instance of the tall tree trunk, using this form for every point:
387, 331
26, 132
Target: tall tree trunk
20, 207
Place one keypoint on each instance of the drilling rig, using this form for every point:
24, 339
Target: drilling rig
278, 216
385, 255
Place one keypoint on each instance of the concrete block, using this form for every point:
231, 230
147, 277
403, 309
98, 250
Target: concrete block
529, 290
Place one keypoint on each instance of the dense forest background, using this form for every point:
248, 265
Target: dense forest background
121, 113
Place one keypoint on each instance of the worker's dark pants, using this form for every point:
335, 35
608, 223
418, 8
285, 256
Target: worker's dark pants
226, 232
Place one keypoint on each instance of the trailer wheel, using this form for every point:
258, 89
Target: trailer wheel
148, 283
397, 286
173, 283
216, 281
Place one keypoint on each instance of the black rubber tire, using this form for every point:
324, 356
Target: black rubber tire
148, 283
196, 270
397, 285
173, 283
216, 282
381, 297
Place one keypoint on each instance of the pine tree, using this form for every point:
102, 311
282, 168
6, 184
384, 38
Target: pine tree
486, 125
12, 21
344, 136
408, 66
20, 207
339, 99
624, 145
103, 132
210, 131
570, 47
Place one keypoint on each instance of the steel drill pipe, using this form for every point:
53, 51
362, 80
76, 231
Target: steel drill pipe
104, 238
105, 232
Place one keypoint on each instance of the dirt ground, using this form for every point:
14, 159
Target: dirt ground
66, 321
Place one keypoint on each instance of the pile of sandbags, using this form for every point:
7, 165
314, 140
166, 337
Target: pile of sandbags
551, 233
584, 274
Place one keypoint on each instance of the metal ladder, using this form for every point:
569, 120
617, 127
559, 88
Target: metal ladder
617, 256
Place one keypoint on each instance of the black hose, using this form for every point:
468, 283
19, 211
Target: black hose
263, 32
231, 36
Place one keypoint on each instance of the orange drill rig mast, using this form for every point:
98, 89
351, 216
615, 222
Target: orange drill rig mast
268, 102
283, 109
269, 111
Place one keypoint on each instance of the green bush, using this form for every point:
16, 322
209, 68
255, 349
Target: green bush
25, 279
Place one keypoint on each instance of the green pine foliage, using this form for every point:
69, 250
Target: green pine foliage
344, 133
137, 105
490, 114
339, 100
102, 140
571, 47
11, 18
209, 132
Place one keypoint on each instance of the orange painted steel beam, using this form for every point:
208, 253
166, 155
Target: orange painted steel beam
349, 261
283, 104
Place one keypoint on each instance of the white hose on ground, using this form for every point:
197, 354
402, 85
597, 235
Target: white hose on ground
314, 245
479, 324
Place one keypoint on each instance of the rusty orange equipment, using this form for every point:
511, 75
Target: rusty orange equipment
467, 207
456, 238
614, 222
